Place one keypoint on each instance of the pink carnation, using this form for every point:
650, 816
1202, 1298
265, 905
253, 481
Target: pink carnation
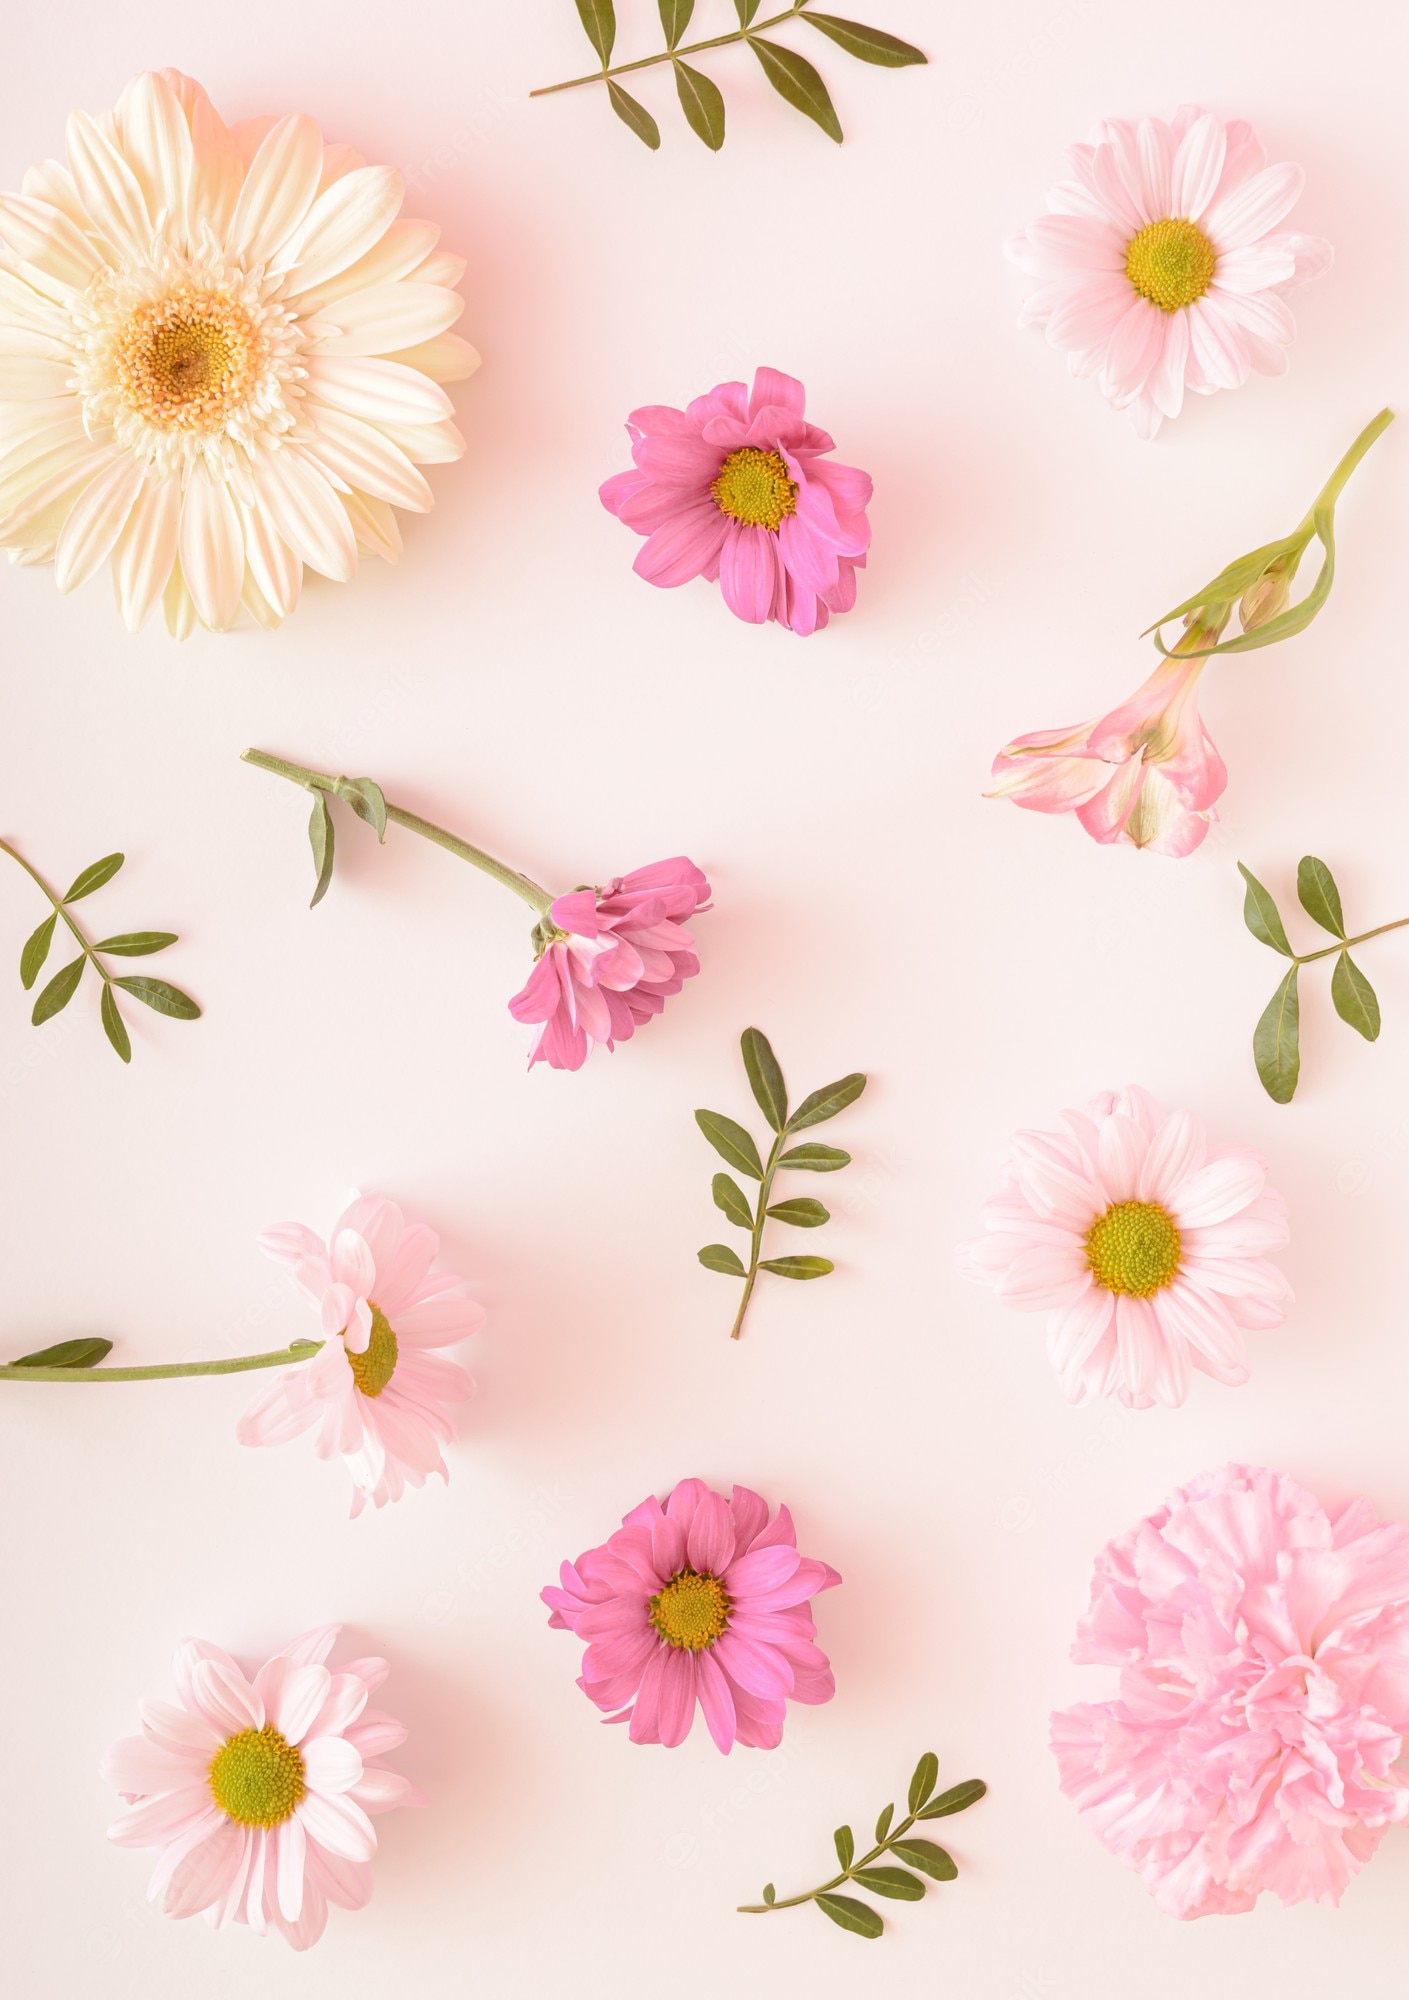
612, 958
1263, 1649
701, 1601
736, 489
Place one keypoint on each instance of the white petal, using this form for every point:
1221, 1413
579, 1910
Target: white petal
338, 1824
381, 391
107, 187
27, 377
307, 513
447, 358
395, 255
156, 142
38, 461
23, 306
373, 525
276, 570
386, 318
212, 548
98, 517
362, 455
342, 225
332, 1764
42, 235
292, 1845
177, 605
440, 268
427, 444
71, 471
218, 172
143, 559
279, 187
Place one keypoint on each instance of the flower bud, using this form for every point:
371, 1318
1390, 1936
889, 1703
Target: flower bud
1263, 600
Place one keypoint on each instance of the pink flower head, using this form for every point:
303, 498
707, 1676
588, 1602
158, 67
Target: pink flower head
703, 1600
1263, 1650
1148, 772
1144, 1245
377, 1391
736, 489
259, 1792
1161, 266
611, 959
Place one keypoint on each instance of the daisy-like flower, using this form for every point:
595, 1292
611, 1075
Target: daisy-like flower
1161, 266
737, 489
1147, 773
1259, 1741
704, 1600
221, 358
610, 959
260, 1791
1145, 1246
377, 1391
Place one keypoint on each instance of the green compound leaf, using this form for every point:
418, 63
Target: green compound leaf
730, 1197
67, 1354
1319, 896
58, 992
161, 998
719, 1257
957, 1799
702, 104
924, 1781
731, 1142
136, 944
113, 1025
765, 1077
321, 839
599, 19
675, 19
1354, 998
851, 1915
827, 1102
634, 115
872, 45
845, 1846
814, 1159
36, 950
367, 800
894, 1882
1276, 1041
802, 1213
927, 1857
798, 1267
795, 80
95, 876
1261, 915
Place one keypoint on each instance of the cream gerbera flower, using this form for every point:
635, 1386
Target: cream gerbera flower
220, 358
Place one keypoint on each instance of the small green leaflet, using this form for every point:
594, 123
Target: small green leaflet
924, 1781
719, 1257
1276, 1041
633, 114
826, 1103
851, 1915
815, 1159
731, 1142
36, 950
895, 1882
730, 1197
1261, 915
927, 1857
67, 1354
802, 1212
798, 1267
599, 19
365, 797
765, 1077
956, 1800
675, 19
95, 876
746, 9
795, 80
58, 992
1354, 998
113, 1025
883, 1823
871, 45
702, 103
164, 999
1319, 897
845, 1846
322, 840
136, 944
770, 1894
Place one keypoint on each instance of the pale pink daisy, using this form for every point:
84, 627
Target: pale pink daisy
377, 1391
1144, 1245
701, 1601
609, 960
1259, 1739
1161, 267
260, 1791
737, 489
1147, 773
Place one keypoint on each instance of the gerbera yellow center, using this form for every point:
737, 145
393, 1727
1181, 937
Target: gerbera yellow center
257, 1777
189, 360
1170, 263
374, 1367
691, 1611
1134, 1248
755, 487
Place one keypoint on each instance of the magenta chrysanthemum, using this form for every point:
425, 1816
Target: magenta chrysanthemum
703, 1601
1161, 267
1263, 1649
611, 960
260, 1791
1143, 1244
736, 489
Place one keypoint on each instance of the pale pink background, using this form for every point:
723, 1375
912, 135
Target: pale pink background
986, 967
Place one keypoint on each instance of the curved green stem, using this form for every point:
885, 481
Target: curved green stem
163, 1371
1330, 950
60, 910
756, 1240
1335, 485
825, 1888
523, 886
669, 55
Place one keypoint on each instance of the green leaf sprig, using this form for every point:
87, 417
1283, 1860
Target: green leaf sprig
898, 1884
55, 996
1260, 583
77, 1361
737, 1147
791, 75
1276, 1041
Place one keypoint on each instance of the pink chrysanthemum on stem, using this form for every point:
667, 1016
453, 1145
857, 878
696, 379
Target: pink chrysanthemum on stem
1258, 1743
737, 488
1144, 1245
378, 1393
701, 1602
260, 1791
1162, 267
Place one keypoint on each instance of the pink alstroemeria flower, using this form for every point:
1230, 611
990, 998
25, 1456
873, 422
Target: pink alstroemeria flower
1148, 772
736, 489
611, 959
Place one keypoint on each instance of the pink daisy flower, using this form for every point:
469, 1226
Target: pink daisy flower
376, 1391
701, 1601
1263, 1652
736, 489
1144, 1245
260, 1792
609, 960
1148, 772
1161, 266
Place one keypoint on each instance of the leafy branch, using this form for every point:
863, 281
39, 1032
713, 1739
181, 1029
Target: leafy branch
737, 1146
896, 1883
55, 996
1260, 583
1276, 1041
791, 75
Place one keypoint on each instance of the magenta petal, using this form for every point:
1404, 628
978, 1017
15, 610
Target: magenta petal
716, 1701
748, 572
711, 1538
770, 386
680, 548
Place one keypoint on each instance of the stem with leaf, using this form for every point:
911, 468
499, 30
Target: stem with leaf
75, 1361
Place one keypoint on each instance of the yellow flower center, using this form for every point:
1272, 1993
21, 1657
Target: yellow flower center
1134, 1248
189, 360
691, 1611
257, 1777
755, 487
374, 1367
1170, 263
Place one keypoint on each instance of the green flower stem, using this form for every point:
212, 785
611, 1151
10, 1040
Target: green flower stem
164, 1371
60, 910
1335, 485
1330, 950
756, 1240
669, 55
523, 886
826, 1888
